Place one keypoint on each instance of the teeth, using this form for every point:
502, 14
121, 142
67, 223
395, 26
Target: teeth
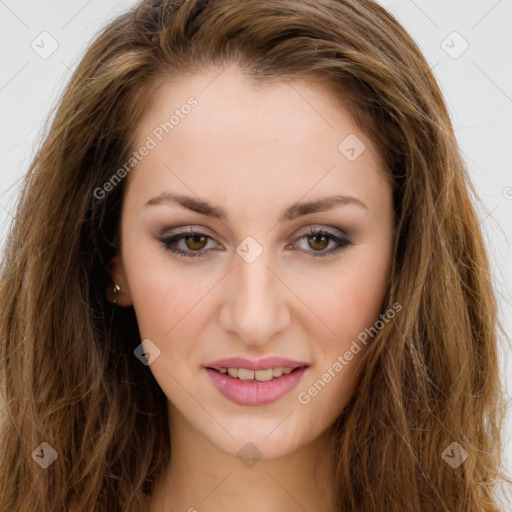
244, 374
259, 375
233, 372
278, 371
264, 375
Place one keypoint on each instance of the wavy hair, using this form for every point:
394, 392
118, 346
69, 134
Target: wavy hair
68, 373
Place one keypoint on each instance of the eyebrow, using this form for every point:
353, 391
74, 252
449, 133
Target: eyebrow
296, 210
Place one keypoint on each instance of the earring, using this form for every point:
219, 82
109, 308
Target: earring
117, 288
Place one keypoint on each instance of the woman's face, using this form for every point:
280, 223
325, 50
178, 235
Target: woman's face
256, 170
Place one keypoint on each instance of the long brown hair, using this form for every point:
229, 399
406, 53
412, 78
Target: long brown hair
69, 375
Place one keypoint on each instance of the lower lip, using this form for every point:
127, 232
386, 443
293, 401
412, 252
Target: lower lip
253, 392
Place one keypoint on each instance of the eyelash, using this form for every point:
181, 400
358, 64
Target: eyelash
168, 241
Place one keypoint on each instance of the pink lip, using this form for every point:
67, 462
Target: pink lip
261, 364
253, 392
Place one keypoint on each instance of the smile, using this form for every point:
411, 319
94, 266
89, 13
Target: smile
259, 375
255, 387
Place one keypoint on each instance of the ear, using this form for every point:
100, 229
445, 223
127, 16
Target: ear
123, 296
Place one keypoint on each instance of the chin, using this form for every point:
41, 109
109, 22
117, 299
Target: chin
267, 439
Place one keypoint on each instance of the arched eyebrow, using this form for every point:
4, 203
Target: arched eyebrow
294, 211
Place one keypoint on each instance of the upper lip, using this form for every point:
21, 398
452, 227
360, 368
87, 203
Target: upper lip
260, 364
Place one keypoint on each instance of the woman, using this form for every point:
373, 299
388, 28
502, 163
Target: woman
246, 273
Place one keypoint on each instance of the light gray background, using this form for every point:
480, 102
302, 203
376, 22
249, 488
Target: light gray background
477, 85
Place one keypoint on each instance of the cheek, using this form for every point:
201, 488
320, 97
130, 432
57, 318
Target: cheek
352, 306
164, 295
352, 297
360, 295
166, 303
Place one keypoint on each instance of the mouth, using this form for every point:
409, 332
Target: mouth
257, 375
255, 387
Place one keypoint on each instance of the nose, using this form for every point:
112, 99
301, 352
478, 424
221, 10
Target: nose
255, 308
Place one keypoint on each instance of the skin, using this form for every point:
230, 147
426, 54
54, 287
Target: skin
254, 151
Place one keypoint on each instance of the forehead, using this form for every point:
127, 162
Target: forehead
243, 137
228, 98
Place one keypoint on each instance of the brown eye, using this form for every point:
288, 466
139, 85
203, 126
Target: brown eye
197, 242
194, 243
319, 240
